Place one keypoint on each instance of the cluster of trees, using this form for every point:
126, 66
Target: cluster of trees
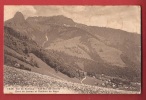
57, 63
24, 45
8, 60
129, 72
119, 81
21, 58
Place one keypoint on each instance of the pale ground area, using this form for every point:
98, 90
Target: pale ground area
70, 47
111, 55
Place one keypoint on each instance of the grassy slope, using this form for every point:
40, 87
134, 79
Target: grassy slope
43, 68
26, 78
47, 70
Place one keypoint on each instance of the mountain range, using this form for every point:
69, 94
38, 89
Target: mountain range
76, 47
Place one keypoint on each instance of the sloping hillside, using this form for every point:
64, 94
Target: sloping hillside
18, 48
73, 49
26, 79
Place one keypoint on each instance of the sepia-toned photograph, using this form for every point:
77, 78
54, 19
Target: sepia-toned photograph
68, 49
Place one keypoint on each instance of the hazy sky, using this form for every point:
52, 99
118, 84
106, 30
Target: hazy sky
119, 17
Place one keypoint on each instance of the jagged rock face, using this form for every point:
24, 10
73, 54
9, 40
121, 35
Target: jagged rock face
17, 21
19, 24
79, 44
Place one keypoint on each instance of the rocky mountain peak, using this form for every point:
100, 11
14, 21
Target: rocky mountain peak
19, 17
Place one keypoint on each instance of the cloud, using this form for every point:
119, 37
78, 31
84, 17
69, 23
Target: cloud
9, 11
119, 17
